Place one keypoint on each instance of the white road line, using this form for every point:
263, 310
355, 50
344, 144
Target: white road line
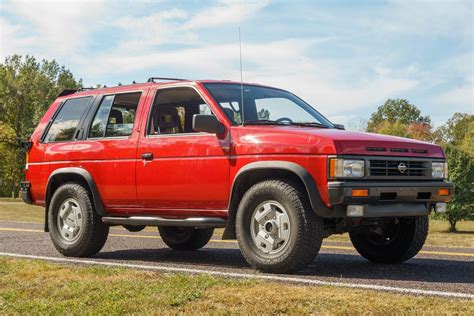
248, 276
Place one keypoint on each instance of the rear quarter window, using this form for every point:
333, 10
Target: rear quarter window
66, 121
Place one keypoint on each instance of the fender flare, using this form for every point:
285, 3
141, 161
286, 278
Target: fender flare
99, 207
300, 171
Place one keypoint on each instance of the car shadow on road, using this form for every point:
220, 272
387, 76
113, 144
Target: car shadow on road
340, 266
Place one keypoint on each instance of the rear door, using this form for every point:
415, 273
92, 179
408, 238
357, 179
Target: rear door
179, 171
108, 146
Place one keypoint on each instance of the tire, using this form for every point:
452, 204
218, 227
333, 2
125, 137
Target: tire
276, 228
185, 238
86, 233
397, 241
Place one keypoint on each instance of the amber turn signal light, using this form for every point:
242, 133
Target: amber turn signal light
443, 192
360, 192
332, 168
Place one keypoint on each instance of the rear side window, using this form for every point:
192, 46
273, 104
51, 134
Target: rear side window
115, 116
65, 123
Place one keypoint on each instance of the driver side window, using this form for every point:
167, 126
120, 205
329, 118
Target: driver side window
173, 111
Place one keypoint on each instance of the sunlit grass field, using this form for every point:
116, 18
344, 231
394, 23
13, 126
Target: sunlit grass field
37, 287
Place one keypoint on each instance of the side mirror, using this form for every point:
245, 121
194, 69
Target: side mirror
207, 123
339, 126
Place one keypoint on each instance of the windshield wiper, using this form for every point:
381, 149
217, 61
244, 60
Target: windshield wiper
311, 124
264, 122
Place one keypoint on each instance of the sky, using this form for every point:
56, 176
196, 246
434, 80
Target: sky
345, 58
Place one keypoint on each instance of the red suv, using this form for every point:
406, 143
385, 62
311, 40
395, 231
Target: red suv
190, 156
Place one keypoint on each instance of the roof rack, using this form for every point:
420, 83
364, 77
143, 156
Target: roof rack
72, 91
66, 92
153, 79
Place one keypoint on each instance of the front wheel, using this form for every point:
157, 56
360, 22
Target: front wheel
394, 241
185, 238
276, 227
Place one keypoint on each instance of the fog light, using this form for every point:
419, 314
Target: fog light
443, 192
355, 210
440, 207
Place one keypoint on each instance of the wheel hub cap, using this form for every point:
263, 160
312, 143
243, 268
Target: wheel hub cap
270, 227
70, 220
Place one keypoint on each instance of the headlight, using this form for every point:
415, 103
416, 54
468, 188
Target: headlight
439, 170
346, 168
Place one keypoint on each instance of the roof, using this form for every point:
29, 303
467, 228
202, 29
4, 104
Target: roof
140, 86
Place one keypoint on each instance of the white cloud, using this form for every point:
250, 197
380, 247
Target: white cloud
458, 99
59, 28
163, 27
225, 12
279, 63
12, 39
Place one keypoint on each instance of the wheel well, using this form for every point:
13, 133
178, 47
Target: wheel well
55, 182
247, 180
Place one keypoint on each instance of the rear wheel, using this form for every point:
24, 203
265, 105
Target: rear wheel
394, 241
185, 238
75, 228
276, 227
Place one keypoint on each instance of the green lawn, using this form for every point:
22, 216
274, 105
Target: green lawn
438, 236
38, 287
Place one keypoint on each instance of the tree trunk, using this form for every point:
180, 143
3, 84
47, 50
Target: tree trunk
452, 226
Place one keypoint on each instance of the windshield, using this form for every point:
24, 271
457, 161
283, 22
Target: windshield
264, 106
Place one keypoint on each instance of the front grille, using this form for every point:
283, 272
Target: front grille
399, 168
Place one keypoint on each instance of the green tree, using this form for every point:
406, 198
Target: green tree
394, 129
461, 172
467, 144
27, 89
458, 131
397, 110
400, 118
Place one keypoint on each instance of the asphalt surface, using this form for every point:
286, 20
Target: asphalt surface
443, 269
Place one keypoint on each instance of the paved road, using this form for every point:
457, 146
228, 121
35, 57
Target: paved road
436, 269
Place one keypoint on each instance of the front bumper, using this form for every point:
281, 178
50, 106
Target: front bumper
25, 192
389, 199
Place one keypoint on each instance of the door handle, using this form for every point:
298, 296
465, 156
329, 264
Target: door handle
147, 156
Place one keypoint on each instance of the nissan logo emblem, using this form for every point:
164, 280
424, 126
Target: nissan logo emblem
402, 167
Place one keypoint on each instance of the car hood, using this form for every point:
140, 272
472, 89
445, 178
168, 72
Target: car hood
287, 139
360, 143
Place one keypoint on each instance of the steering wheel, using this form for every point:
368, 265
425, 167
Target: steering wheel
284, 119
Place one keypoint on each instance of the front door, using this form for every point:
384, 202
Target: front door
181, 172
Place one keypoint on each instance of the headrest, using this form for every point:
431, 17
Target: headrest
168, 117
115, 117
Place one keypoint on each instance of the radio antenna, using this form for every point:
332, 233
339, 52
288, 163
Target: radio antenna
241, 81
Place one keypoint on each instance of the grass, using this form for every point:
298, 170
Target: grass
39, 287
12, 210
438, 235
